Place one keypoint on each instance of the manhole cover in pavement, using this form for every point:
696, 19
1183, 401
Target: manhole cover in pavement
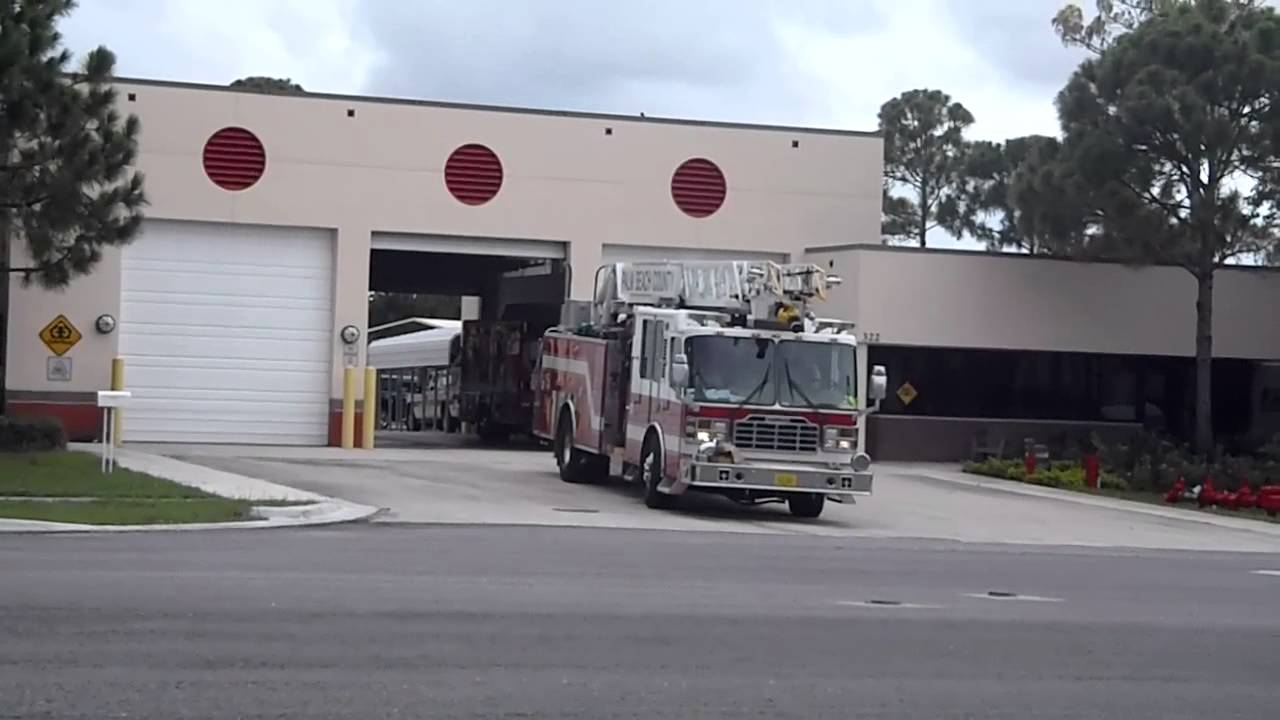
1007, 595
879, 603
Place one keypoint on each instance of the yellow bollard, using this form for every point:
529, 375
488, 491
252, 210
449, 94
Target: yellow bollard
370, 417
117, 383
348, 408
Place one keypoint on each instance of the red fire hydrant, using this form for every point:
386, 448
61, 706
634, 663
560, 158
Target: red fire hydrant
1091, 471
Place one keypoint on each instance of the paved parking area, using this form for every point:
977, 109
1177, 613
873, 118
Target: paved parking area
441, 479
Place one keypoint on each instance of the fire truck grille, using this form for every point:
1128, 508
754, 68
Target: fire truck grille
757, 432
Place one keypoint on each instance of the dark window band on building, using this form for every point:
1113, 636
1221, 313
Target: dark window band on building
1156, 391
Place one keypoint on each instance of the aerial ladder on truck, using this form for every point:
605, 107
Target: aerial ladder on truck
710, 376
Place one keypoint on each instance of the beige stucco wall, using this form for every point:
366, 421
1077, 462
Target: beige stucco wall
32, 308
981, 300
381, 171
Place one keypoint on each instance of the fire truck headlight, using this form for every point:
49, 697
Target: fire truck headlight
838, 438
861, 462
705, 429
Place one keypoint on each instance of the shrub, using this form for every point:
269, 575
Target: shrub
996, 467
31, 434
1066, 478
1111, 481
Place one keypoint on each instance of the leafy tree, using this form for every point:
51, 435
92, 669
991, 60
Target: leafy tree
1170, 153
269, 85
989, 174
67, 184
924, 153
1113, 18
898, 215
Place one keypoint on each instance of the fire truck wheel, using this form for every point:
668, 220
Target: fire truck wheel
651, 475
807, 505
575, 466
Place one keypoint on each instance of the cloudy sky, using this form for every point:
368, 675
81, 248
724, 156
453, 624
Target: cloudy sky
805, 62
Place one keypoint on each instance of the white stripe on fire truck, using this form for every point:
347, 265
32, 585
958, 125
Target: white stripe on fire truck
583, 370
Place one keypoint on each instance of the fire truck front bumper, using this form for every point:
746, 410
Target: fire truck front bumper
765, 478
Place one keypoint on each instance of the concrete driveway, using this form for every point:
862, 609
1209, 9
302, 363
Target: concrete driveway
444, 480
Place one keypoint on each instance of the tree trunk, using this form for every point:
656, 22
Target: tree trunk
923, 231
1204, 363
4, 308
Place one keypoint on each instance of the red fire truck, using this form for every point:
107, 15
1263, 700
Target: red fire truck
709, 376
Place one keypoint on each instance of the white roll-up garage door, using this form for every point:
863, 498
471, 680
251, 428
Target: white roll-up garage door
225, 332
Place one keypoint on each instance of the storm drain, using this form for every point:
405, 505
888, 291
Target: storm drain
576, 510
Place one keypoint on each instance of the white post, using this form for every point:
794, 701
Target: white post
106, 436
861, 357
110, 401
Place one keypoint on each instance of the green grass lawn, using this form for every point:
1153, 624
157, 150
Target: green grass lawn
128, 511
76, 474
123, 497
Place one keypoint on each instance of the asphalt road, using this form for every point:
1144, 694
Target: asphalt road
526, 622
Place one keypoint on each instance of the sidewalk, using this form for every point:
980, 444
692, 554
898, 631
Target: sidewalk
315, 509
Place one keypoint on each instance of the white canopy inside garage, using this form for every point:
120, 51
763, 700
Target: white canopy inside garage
425, 348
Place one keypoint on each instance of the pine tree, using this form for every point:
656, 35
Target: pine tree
67, 184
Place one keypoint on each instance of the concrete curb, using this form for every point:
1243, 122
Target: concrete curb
326, 513
318, 509
956, 477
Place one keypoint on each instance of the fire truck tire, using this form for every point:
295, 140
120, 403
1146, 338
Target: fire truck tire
806, 505
651, 476
575, 466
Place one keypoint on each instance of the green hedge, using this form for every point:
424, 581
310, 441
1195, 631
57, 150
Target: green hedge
31, 434
1058, 474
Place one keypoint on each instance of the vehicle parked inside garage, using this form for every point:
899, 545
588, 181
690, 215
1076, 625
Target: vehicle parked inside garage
709, 376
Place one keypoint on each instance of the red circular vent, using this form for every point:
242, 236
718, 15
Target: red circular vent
234, 158
698, 187
473, 174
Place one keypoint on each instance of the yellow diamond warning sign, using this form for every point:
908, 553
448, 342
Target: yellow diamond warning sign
907, 393
60, 335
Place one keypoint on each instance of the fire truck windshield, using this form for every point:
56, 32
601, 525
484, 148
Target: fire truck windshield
736, 370
817, 375
757, 371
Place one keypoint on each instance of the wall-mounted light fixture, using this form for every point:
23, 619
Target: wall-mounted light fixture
105, 324
350, 334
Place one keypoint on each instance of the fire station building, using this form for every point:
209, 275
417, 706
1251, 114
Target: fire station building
272, 217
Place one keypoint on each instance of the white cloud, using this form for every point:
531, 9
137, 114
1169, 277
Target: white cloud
818, 62
315, 42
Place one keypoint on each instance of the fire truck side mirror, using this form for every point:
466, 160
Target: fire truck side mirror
879, 385
679, 372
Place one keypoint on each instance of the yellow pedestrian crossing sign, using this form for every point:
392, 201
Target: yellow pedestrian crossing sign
60, 335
